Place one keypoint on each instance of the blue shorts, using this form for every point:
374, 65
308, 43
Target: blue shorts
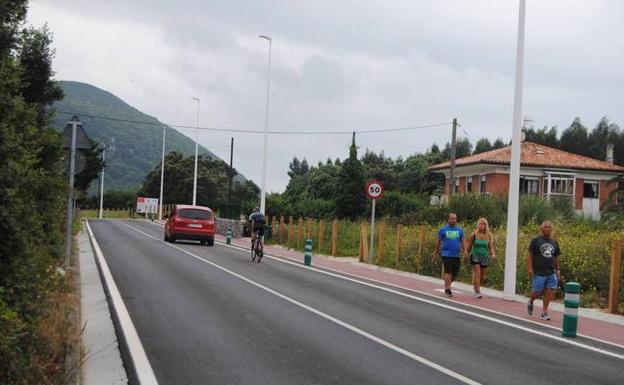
541, 282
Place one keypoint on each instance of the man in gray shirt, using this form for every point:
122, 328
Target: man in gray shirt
543, 267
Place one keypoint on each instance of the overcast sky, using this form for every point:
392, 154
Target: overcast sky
343, 65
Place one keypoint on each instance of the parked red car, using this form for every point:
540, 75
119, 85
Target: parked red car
190, 223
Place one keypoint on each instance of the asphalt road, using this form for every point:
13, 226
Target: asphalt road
214, 317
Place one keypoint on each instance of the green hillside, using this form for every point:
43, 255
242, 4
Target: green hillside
133, 149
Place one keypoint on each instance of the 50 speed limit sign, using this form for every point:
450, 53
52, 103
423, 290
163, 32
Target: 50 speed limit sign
374, 189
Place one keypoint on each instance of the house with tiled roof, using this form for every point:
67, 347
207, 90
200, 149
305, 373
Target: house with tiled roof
544, 172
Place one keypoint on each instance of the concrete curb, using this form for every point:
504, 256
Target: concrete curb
102, 363
139, 369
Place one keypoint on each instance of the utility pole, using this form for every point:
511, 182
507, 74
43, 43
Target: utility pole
70, 199
453, 153
231, 175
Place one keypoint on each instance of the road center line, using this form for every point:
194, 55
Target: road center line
326, 316
449, 307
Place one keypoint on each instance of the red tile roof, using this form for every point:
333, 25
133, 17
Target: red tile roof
534, 155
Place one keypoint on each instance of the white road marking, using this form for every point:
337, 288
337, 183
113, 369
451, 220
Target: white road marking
141, 364
326, 316
347, 277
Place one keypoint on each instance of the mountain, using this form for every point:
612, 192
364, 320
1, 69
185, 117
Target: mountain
133, 139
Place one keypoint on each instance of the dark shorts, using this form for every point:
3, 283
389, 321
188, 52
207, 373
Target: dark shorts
451, 265
259, 228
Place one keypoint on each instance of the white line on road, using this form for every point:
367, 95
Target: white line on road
141, 364
326, 316
341, 275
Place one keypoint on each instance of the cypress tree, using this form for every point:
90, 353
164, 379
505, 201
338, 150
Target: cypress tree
351, 199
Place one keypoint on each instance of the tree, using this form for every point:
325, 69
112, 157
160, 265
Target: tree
350, 197
31, 201
483, 145
574, 138
463, 148
604, 133
212, 183
298, 168
498, 143
546, 136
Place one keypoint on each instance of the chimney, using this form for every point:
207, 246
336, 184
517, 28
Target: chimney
610, 153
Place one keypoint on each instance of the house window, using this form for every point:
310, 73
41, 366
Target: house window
469, 184
456, 185
559, 185
529, 185
590, 189
482, 184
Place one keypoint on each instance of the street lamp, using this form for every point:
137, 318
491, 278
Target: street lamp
511, 248
195, 172
101, 214
266, 128
162, 175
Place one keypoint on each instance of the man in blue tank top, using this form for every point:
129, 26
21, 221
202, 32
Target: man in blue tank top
450, 246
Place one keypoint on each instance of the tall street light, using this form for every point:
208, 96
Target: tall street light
266, 129
195, 172
162, 175
101, 215
511, 248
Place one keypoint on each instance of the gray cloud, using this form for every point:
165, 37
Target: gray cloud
344, 65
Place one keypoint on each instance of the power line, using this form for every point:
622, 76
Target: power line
221, 129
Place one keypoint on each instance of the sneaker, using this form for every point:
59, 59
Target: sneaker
530, 308
448, 293
545, 317
478, 295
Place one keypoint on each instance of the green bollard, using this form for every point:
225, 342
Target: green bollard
571, 304
307, 255
228, 235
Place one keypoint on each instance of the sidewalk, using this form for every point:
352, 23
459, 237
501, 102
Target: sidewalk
592, 323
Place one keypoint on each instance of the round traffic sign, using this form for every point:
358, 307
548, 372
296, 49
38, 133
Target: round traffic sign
374, 189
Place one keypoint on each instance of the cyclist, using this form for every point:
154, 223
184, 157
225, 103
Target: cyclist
257, 226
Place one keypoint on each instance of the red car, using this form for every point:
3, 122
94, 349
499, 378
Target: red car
190, 223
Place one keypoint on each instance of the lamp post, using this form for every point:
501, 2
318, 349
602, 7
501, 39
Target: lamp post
195, 172
266, 128
101, 215
162, 175
514, 168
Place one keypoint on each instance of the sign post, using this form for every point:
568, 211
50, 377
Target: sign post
374, 191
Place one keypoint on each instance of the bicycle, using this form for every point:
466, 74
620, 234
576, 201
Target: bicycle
257, 249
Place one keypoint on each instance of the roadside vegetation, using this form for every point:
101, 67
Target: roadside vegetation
38, 301
586, 245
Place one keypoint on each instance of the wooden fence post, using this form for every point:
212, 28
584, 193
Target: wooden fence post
281, 229
321, 234
381, 242
363, 242
291, 229
397, 246
421, 240
299, 231
334, 241
614, 280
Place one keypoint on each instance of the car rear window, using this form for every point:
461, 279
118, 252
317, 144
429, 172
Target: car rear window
195, 214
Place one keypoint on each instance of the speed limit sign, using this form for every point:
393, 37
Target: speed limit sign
374, 189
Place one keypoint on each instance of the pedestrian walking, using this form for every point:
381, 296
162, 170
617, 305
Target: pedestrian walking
543, 268
481, 253
449, 245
